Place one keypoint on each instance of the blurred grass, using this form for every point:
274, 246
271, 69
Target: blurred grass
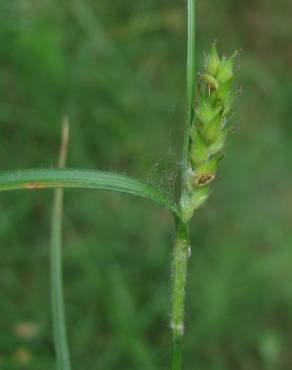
118, 70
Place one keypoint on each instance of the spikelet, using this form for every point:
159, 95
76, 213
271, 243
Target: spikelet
208, 131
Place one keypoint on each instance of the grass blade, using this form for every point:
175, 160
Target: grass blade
57, 295
90, 179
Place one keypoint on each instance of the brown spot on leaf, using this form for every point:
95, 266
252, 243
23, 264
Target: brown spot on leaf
34, 185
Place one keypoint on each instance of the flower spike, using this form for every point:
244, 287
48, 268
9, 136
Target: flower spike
209, 130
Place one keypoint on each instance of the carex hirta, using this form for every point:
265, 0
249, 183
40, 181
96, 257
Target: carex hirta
209, 130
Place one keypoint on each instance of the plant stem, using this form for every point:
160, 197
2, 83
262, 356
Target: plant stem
180, 259
191, 79
58, 310
182, 245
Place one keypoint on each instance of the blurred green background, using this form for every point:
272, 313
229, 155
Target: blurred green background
117, 69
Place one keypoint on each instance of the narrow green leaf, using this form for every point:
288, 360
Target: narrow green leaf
91, 179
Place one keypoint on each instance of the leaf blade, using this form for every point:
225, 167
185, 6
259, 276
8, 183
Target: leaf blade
86, 179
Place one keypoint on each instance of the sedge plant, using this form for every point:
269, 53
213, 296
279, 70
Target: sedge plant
209, 101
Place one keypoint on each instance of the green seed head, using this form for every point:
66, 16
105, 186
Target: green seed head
199, 152
213, 84
205, 173
192, 201
206, 112
218, 146
199, 197
212, 61
209, 130
225, 70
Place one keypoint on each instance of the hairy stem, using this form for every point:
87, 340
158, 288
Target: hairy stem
57, 294
180, 259
182, 245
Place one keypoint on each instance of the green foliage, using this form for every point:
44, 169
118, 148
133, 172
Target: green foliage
113, 61
71, 178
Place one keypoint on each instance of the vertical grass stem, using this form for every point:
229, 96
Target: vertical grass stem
182, 245
180, 259
191, 79
58, 310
